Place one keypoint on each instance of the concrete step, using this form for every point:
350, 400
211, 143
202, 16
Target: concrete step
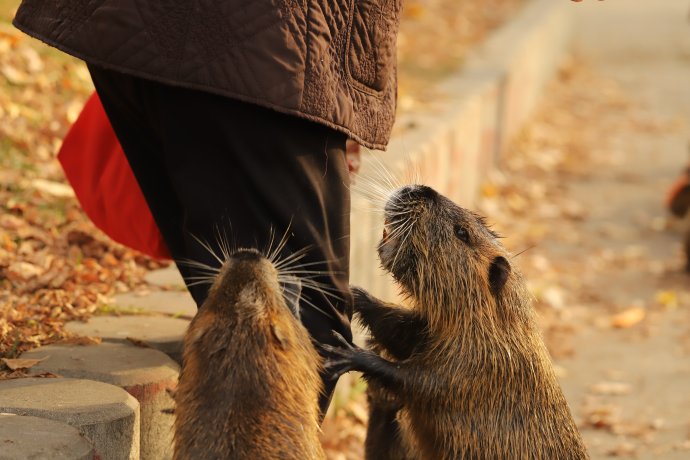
144, 373
175, 303
160, 332
107, 416
166, 277
31, 438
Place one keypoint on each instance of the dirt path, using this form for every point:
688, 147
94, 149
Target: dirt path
585, 185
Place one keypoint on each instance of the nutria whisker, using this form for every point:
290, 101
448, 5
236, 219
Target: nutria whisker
402, 228
307, 282
384, 173
208, 248
402, 243
397, 232
321, 289
198, 266
299, 271
302, 265
198, 283
223, 243
201, 277
402, 221
304, 275
292, 259
372, 191
274, 254
306, 299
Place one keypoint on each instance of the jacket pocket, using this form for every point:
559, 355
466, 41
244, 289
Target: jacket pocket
371, 49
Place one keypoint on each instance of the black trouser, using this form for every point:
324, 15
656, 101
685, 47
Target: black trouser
204, 160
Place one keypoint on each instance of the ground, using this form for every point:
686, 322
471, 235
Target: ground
580, 190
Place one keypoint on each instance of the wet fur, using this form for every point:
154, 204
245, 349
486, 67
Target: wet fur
250, 382
468, 364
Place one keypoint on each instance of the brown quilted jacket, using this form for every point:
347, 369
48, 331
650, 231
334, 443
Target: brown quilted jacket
330, 61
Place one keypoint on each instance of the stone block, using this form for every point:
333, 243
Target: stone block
31, 438
107, 416
160, 332
144, 373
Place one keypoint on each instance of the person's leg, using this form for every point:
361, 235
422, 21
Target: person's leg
125, 102
226, 163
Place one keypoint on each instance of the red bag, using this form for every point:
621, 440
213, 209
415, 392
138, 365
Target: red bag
99, 172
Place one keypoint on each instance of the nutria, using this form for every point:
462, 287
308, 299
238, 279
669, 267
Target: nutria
678, 203
249, 385
476, 380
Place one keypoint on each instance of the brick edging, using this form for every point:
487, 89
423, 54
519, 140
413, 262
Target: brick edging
485, 105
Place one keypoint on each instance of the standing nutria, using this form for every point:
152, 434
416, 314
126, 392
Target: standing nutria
249, 385
477, 380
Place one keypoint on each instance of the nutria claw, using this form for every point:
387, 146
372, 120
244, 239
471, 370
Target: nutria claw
341, 358
343, 341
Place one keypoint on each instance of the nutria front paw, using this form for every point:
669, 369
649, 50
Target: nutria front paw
343, 358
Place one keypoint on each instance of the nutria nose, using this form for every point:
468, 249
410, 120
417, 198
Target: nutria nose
426, 192
247, 254
418, 191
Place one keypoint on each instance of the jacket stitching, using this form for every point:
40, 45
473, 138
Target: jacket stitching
352, 81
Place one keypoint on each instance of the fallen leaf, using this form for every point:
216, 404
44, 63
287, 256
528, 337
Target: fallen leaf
667, 299
138, 342
623, 449
16, 364
53, 188
602, 417
80, 340
611, 388
22, 271
13, 74
628, 318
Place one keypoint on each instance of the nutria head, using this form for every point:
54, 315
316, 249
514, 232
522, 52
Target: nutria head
250, 381
447, 259
250, 283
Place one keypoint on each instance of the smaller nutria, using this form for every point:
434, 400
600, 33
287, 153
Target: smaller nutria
249, 385
475, 379
678, 203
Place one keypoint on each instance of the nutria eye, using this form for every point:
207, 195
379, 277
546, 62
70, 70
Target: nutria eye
462, 234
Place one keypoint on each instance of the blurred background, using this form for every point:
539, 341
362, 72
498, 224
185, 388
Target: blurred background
579, 187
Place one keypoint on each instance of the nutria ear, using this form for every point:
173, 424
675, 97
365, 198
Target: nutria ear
281, 339
498, 274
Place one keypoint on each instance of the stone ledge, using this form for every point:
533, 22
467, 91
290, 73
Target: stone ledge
107, 416
178, 304
160, 332
30, 438
144, 373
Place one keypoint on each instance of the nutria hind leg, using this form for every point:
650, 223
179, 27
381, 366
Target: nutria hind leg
395, 329
384, 439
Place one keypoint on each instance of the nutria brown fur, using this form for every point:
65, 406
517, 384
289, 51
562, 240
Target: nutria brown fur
476, 380
249, 384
